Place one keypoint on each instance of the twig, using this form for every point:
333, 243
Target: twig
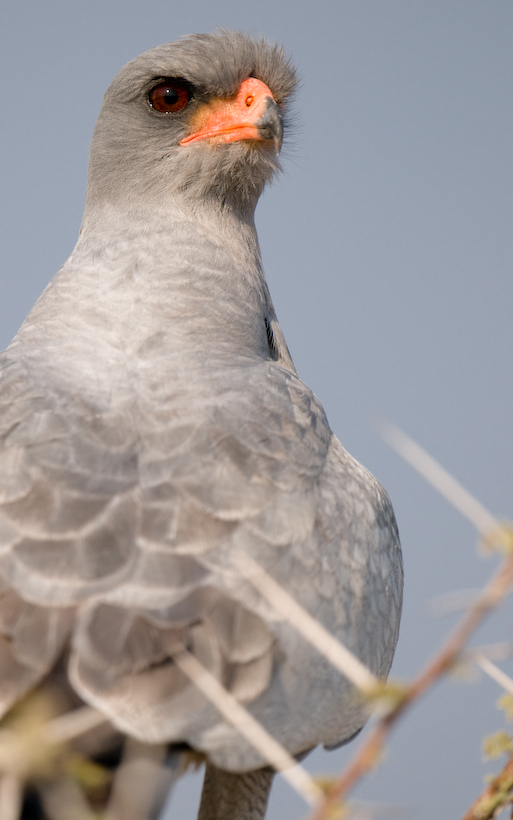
72, 724
63, 799
440, 479
275, 754
360, 810
453, 602
10, 797
495, 798
138, 783
494, 672
498, 651
314, 632
369, 752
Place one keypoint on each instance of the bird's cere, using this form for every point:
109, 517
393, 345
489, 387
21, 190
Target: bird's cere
252, 115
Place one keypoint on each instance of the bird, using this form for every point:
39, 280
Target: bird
153, 425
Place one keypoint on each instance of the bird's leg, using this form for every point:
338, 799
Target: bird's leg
230, 796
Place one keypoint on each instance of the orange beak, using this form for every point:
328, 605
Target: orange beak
252, 115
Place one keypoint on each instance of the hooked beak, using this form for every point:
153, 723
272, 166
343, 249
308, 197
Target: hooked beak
252, 115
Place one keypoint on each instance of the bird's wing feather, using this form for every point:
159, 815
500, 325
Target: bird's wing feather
132, 523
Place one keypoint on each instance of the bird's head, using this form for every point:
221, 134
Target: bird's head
201, 119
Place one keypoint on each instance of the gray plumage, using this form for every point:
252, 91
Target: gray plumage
152, 421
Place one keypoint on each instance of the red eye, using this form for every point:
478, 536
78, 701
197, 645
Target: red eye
169, 96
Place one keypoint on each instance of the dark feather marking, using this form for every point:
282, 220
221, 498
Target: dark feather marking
271, 341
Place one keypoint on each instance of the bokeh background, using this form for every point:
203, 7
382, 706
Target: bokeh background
388, 248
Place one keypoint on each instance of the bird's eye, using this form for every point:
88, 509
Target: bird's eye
169, 96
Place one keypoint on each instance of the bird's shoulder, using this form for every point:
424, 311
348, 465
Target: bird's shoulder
91, 495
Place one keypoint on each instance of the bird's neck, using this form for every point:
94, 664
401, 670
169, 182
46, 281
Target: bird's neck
186, 285
216, 224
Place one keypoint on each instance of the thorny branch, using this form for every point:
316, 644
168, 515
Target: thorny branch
496, 797
495, 536
368, 754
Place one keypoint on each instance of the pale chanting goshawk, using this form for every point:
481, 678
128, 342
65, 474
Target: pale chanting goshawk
152, 423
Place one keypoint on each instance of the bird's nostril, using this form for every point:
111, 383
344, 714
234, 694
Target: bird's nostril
249, 99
